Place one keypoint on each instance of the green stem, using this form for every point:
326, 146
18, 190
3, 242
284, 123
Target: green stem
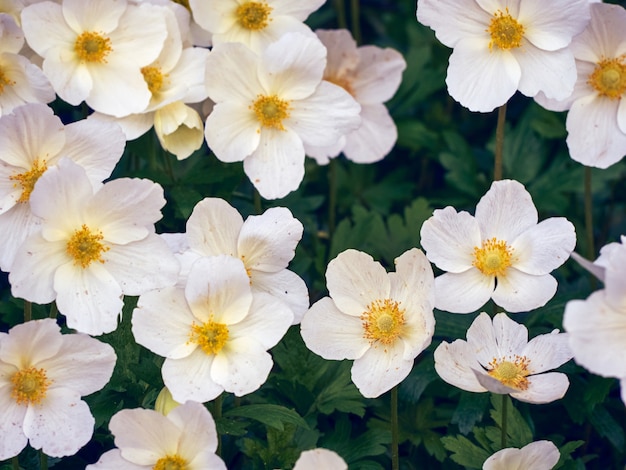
505, 402
355, 8
395, 432
340, 8
53, 310
497, 165
28, 311
43, 461
258, 204
332, 196
591, 249
15, 463
217, 414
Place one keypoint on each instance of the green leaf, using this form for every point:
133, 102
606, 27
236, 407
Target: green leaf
607, 427
517, 430
470, 410
566, 452
274, 416
465, 452
340, 394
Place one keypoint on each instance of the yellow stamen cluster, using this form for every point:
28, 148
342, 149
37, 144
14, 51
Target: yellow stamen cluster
86, 246
493, 258
171, 462
505, 31
92, 47
29, 386
4, 81
383, 322
609, 78
28, 179
271, 111
254, 16
512, 374
154, 78
210, 336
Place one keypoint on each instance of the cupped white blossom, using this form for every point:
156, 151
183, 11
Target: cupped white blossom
179, 128
33, 140
269, 106
94, 246
371, 75
596, 121
43, 375
184, 439
21, 81
500, 47
316, 459
94, 51
254, 24
501, 253
497, 357
539, 455
265, 244
380, 320
214, 333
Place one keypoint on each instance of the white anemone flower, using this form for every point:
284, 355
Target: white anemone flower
254, 24
539, 455
214, 333
33, 139
502, 253
497, 357
371, 75
94, 246
21, 82
596, 121
94, 51
380, 320
500, 46
184, 439
43, 375
269, 106
316, 459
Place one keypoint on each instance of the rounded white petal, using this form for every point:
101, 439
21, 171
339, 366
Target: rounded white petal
451, 23
113, 459
316, 459
179, 128
497, 339
190, 378
539, 455
547, 352
213, 228
374, 138
16, 225
463, 292
544, 247
517, 291
449, 239
199, 432
232, 131
544, 388
377, 75
332, 334
31, 343
231, 74
355, 280
455, 362
103, 16
286, 286
553, 73
11, 420
381, 368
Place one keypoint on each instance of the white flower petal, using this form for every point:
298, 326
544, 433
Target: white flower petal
377, 75
16, 225
539, 455
547, 352
232, 131
213, 228
374, 138
231, 74
451, 23
520, 292
31, 342
380, 369
553, 73
454, 363
544, 388
492, 384
286, 286
199, 428
189, 378
463, 292
315, 459
11, 419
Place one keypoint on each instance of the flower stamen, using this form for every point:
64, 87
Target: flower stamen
609, 78
493, 258
210, 336
254, 16
511, 373
171, 462
505, 31
28, 179
29, 386
271, 111
154, 78
92, 47
383, 321
4, 81
86, 246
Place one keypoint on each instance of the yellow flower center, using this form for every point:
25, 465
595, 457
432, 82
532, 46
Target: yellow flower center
271, 111
29, 386
210, 336
171, 462
512, 374
86, 246
184, 3
154, 78
92, 47
4, 80
609, 78
254, 16
493, 258
28, 179
383, 321
506, 33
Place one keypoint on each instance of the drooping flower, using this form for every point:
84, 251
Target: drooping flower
93, 247
380, 320
502, 253
597, 325
596, 121
371, 75
269, 106
316, 459
539, 455
254, 24
43, 375
498, 357
32, 140
94, 51
214, 333
185, 438
265, 243
21, 81
500, 47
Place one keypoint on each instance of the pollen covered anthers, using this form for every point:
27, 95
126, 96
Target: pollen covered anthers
506, 32
271, 111
512, 372
28, 179
609, 77
254, 16
92, 47
383, 322
493, 258
29, 386
85, 246
210, 336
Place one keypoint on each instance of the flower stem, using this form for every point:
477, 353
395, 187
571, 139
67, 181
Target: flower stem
43, 461
28, 311
497, 165
217, 414
356, 20
395, 457
505, 402
332, 196
258, 205
15, 463
53, 310
591, 249
340, 8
